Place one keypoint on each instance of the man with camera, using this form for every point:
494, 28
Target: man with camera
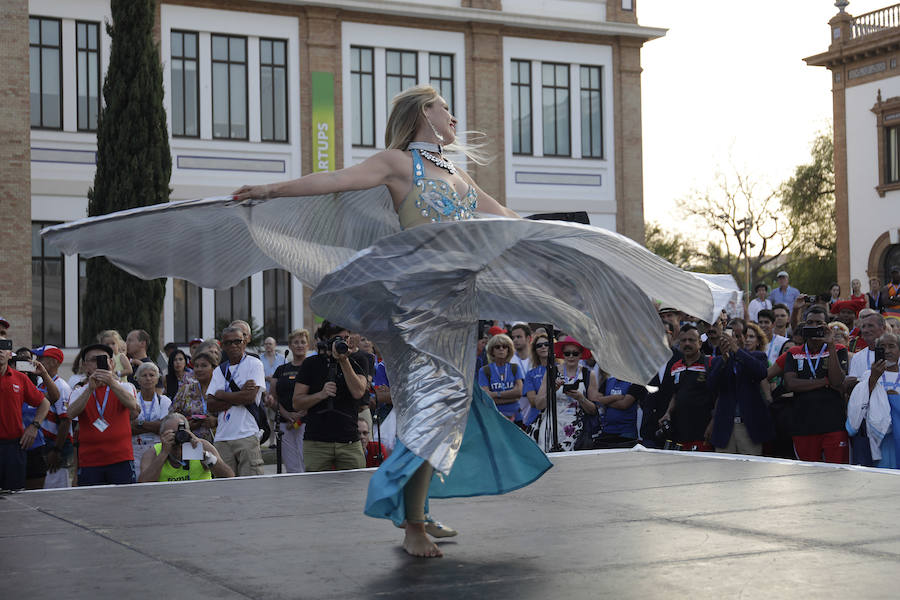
236, 388
104, 406
16, 389
691, 403
167, 462
331, 387
815, 373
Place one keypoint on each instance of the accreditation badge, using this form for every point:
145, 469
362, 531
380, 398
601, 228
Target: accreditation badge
100, 424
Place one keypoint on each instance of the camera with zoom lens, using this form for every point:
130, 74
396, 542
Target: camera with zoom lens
339, 344
182, 436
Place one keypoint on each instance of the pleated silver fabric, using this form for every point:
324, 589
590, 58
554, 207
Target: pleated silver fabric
417, 293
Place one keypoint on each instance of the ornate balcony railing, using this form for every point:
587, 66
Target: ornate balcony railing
875, 21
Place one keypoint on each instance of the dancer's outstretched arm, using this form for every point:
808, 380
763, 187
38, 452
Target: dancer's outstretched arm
385, 168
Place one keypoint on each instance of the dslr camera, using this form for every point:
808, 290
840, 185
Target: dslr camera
339, 344
182, 436
813, 332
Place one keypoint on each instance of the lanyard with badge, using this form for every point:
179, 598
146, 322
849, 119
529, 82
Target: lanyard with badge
100, 423
814, 366
890, 388
145, 413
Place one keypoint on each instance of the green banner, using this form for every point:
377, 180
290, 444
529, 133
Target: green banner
323, 121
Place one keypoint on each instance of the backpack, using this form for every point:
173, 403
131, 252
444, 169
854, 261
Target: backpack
256, 411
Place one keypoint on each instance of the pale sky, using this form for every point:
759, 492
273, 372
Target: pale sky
727, 84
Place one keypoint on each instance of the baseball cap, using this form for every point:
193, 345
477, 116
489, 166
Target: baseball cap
4, 322
50, 351
781, 274
196, 340
495, 330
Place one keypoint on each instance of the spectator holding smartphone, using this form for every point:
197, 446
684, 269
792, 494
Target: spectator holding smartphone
15, 390
104, 406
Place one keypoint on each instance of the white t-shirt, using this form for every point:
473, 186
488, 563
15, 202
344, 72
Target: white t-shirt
524, 365
237, 423
154, 410
757, 305
860, 363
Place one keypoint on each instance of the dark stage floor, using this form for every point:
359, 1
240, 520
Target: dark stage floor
629, 524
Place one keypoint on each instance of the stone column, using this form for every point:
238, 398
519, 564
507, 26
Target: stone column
839, 27
628, 138
484, 102
15, 171
320, 50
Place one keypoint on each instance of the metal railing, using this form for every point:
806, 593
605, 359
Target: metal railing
875, 21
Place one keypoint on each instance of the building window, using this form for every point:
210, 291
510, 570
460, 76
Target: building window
440, 72
520, 75
401, 71
188, 308
273, 90
628, 5
232, 304
185, 86
887, 116
87, 56
47, 291
229, 87
45, 47
555, 99
892, 154
591, 115
277, 304
362, 82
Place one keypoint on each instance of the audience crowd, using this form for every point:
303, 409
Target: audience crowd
809, 377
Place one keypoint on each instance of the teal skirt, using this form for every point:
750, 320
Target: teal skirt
495, 457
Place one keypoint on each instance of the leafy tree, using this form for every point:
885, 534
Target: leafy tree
808, 201
672, 246
134, 165
744, 226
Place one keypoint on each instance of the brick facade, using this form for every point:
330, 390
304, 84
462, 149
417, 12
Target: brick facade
15, 171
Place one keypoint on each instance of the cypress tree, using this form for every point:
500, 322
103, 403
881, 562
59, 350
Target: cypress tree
134, 165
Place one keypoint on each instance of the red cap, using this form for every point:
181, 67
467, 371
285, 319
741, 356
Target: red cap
4, 322
495, 330
51, 351
195, 341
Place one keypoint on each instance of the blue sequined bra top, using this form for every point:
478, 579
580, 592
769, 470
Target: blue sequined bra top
434, 200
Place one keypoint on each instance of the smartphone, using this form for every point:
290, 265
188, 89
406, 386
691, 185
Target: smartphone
5, 344
570, 387
24, 366
879, 354
103, 362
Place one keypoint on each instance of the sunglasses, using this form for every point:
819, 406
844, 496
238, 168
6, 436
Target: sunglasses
236, 342
542, 345
571, 353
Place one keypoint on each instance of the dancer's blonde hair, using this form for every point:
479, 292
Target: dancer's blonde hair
408, 111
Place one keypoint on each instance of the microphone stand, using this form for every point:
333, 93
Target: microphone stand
550, 388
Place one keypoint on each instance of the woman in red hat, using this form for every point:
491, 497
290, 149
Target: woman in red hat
572, 404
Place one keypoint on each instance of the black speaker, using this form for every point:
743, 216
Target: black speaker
578, 216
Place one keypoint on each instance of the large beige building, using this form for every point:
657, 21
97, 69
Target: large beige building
264, 91
862, 58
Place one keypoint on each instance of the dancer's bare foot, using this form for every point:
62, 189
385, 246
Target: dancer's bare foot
417, 543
